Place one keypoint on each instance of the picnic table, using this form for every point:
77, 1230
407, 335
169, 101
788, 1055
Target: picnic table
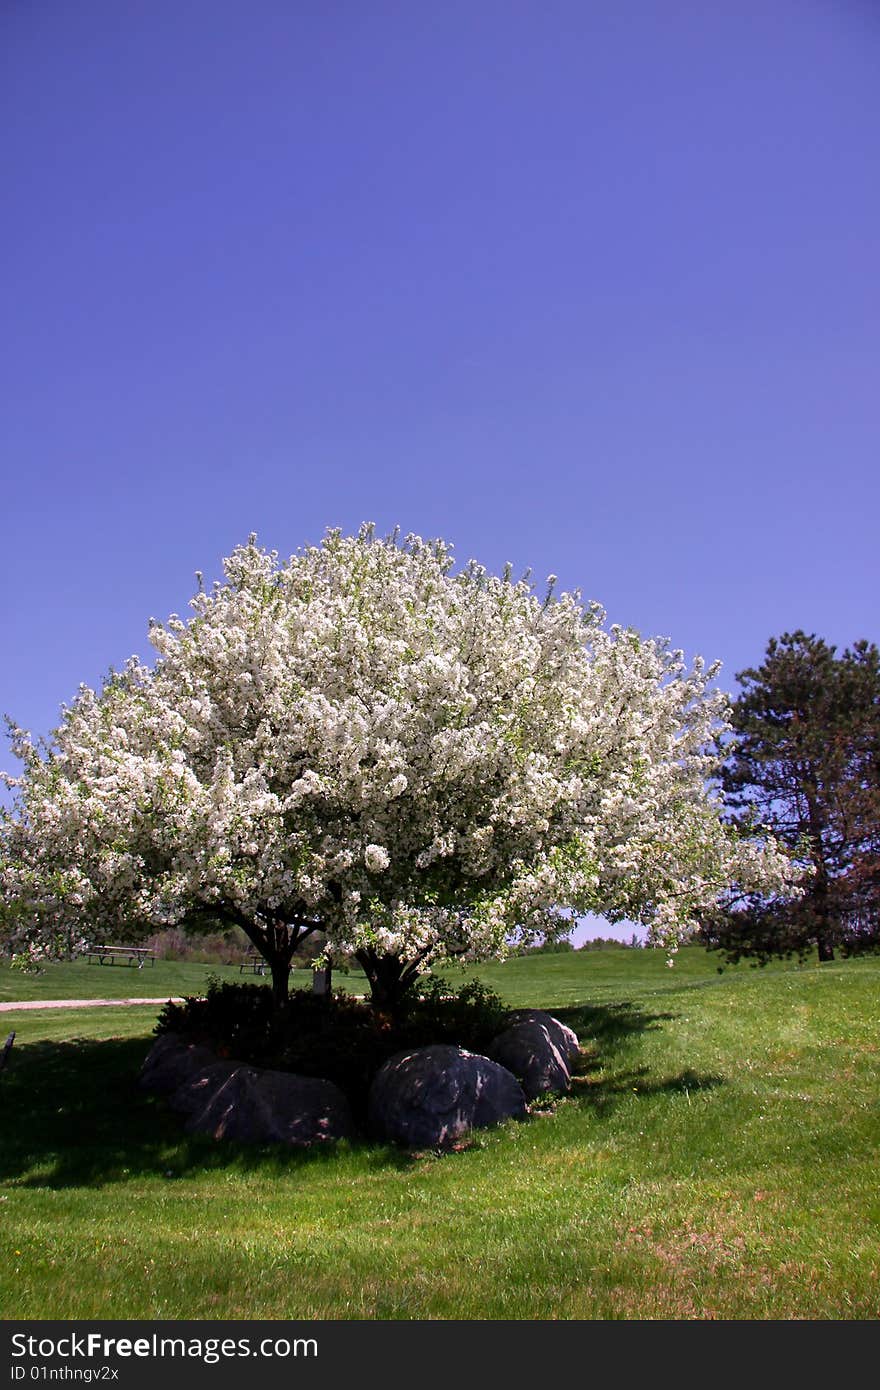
253, 963
128, 955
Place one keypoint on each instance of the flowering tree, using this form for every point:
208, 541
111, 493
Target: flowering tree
421, 763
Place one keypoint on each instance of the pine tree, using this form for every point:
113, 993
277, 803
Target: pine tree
804, 761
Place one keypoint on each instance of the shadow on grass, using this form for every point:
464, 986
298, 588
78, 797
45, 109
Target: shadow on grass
610, 1026
607, 1033
74, 1116
602, 1093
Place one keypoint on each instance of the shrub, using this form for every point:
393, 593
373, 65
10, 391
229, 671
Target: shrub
335, 1037
471, 1016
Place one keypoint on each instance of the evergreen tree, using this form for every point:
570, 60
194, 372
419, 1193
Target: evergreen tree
803, 760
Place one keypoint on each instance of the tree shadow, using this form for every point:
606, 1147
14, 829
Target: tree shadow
607, 1034
74, 1116
603, 1092
610, 1026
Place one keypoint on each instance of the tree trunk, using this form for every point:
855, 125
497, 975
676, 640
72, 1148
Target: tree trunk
385, 974
280, 968
276, 945
390, 979
820, 892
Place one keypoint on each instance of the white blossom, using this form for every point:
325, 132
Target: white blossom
424, 762
376, 858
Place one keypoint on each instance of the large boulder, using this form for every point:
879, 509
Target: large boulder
257, 1106
171, 1061
528, 1050
432, 1097
194, 1092
565, 1038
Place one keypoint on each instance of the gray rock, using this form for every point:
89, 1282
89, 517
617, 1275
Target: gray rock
528, 1050
256, 1106
565, 1038
434, 1096
171, 1061
193, 1094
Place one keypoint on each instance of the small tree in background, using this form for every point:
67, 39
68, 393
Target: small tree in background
804, 760
419, 763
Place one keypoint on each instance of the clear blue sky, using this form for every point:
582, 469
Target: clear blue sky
588, 287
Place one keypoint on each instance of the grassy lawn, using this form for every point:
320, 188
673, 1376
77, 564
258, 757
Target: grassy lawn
717, 1158
84, 979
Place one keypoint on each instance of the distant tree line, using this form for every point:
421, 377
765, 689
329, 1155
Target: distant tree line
596, 943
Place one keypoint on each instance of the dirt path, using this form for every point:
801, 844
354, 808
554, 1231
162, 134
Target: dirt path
80, 1003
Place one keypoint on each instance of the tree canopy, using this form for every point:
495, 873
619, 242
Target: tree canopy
422, 763
803, 758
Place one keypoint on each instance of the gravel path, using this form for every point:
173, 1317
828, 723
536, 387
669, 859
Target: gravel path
80, 1003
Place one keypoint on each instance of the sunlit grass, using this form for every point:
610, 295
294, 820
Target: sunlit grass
717, 1158
82, 979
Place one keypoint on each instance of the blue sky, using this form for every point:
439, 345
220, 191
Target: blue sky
591, 288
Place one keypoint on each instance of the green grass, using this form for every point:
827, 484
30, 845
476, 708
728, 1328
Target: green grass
717, 1158
82, 979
